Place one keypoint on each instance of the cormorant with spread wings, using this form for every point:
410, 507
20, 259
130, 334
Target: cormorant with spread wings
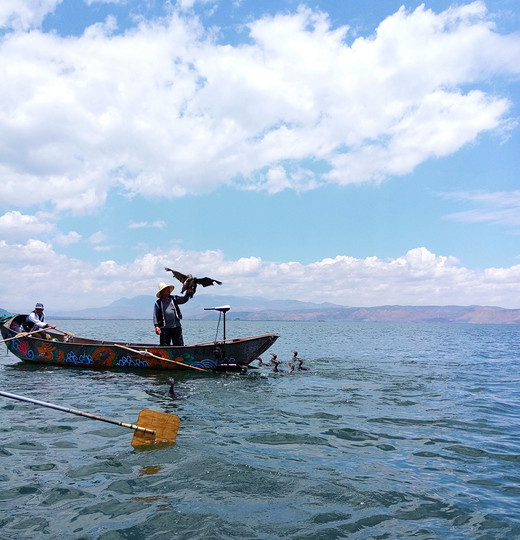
189, 283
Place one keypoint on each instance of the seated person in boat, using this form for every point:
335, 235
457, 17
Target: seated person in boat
36, 321
167, 315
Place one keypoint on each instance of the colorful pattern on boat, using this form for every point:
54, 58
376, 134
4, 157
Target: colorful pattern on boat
128, 361
102, 356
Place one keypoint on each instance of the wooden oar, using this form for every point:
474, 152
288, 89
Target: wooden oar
24, 334
146, 353
66, 333
152, 426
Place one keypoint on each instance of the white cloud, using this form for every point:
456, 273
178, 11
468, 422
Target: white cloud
18, 227
145, 224
97, 238
71, 237
163, 109
498, 208
189, 4
439, 126
91, 2
25, 14
418, 277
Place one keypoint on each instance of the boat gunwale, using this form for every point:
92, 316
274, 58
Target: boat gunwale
81, 341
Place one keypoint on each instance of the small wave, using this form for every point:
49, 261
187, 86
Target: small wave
287, 439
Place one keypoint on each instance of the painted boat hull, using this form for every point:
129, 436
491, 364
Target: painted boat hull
90, 353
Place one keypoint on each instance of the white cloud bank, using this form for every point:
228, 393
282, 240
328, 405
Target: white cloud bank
163, 108
417, 278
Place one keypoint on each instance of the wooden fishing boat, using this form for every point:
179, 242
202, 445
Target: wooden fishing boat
61, 348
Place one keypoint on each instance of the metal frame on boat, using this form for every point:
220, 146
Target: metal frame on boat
61, 348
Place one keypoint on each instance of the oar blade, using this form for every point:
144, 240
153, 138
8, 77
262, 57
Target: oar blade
165, 426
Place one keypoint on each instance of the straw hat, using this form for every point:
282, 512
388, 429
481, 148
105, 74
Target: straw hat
163, 286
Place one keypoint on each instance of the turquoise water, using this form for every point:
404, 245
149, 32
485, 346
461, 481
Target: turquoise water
398, 431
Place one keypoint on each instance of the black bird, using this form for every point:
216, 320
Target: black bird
276, 364
189, 283
172, 391
300, 362
291, 365
275, 361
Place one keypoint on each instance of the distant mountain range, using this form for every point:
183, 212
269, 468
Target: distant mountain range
253, 308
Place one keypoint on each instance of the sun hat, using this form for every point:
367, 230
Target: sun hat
38, 306
163, 286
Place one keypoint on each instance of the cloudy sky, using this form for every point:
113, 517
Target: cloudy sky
362, 153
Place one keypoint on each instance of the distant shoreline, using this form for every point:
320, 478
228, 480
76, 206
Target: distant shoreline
265, 310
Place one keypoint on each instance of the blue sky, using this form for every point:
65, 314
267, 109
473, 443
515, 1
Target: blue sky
362, 153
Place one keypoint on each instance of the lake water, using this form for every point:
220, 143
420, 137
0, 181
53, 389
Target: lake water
398, 431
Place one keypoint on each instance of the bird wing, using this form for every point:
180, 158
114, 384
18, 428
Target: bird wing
206, 281
181, 277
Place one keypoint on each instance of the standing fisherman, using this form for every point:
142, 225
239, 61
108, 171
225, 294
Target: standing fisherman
167, 315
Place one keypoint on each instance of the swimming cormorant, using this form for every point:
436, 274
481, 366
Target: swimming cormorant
300, 362
276, 364
172, 391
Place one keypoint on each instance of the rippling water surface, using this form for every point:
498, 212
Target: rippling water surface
397, 431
